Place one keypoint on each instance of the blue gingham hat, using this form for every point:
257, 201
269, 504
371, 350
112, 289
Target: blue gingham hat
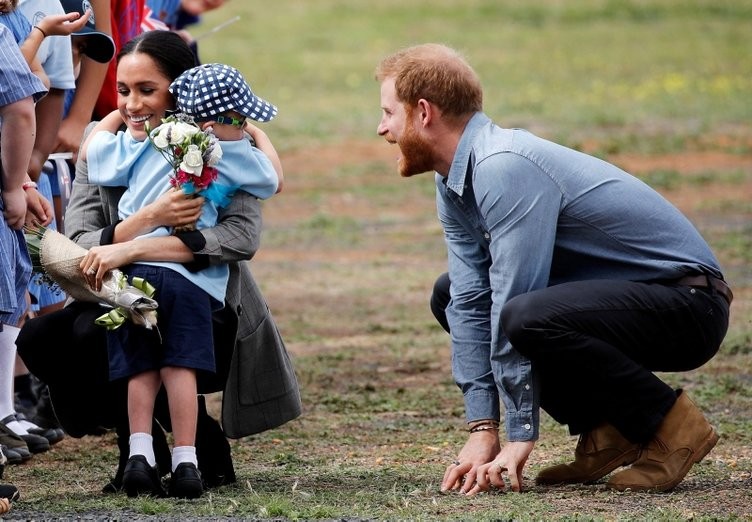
208, 90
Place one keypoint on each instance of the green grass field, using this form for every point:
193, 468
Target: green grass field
350, 250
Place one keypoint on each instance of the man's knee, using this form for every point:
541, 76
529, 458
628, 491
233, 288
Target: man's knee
440, 300
520, 319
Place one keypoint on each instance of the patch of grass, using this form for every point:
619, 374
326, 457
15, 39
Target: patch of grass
738, 343
671, 179
592, 66
736, 245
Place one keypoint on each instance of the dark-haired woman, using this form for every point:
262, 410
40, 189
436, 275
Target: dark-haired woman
246, 340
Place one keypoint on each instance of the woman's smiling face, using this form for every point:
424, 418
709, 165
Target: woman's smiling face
143, 94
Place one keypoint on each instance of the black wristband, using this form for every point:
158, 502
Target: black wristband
196, 242
108, 235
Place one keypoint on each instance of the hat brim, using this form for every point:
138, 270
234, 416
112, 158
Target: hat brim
257, 110
99, 46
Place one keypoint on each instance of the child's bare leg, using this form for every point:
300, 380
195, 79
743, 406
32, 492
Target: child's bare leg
142, 392
142, 477
181, 396
180, 384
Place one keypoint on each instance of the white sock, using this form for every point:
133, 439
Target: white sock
182, 454
17, 428
142, 444
7, 367
25, 424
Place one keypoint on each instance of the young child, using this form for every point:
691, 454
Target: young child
47, 43
219, 97
19, 89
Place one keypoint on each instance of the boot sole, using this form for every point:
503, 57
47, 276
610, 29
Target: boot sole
708, 444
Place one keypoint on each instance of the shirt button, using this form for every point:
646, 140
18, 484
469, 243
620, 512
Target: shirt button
527, 426
487, 235
527, 386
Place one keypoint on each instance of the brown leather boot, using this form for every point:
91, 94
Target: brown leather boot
683, 438
598, 453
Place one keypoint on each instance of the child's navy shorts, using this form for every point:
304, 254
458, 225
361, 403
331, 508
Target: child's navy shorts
184, 320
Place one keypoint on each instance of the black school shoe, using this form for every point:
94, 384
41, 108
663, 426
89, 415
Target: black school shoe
161, 454
212, 450
53, 435
9, 492
35, 443
186, 482
141, 479
10, 456
14, 446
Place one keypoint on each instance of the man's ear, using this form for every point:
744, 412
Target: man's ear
426, 111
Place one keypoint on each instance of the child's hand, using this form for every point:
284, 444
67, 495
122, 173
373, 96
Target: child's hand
63, 25
14, 202
38, 209
174, 209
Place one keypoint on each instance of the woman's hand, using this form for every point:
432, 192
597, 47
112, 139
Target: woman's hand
98, 260
480, 448
510, 460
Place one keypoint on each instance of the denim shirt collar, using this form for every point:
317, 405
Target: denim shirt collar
457, 172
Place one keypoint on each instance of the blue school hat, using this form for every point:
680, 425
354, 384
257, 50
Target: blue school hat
208, 90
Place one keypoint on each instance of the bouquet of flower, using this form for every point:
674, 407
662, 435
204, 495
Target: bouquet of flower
58, 258
190, 151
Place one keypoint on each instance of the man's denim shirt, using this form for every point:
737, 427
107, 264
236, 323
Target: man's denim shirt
521, 213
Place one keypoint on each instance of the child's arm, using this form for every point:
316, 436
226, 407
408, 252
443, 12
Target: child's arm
88, 85
265, 145
36, 68
110, 123
16, 143
52, 25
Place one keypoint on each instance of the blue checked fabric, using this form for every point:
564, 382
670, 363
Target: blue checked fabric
212, 89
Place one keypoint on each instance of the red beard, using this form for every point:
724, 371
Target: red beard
417, 155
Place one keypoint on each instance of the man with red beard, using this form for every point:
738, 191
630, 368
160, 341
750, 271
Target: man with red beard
570, 282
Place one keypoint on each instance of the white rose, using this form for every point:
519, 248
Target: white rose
159, 135
193, 162
176, 136
181, 131
215, 155
160, 141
